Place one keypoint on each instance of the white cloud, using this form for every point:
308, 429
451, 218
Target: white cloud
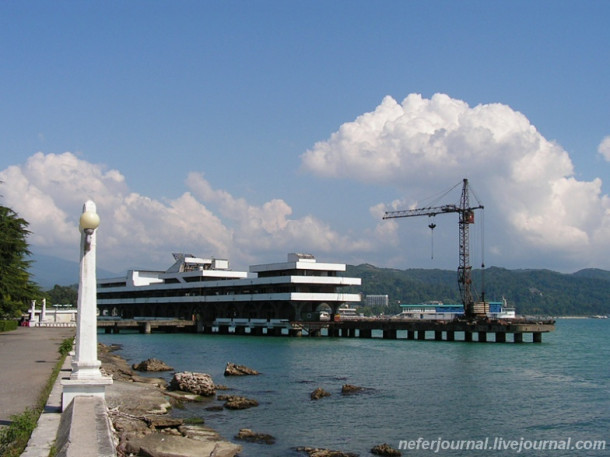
537, 213
421, 146
137, 231
604, 148
269, 227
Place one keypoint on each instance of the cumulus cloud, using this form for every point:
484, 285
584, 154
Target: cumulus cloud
48, 190
604, 148
538, 214
270, 228
423, 145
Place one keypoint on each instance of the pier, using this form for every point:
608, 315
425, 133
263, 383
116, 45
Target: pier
470, 331
147, 325
481, 331
292, 298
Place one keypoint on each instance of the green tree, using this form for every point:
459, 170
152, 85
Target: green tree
63, 295
16, 288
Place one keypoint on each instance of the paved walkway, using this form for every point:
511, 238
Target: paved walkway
27, 358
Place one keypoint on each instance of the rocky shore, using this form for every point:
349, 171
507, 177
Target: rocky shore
139, 410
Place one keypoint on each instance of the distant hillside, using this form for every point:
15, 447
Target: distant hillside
540, 292
48, 271
593, 273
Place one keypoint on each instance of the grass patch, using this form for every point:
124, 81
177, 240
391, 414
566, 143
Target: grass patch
15, 437
65, 347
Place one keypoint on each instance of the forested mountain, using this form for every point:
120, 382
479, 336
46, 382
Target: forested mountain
538, 292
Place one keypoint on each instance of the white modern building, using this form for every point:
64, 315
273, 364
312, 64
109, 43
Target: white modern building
207, 290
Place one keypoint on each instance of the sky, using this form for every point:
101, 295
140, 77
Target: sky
247, 130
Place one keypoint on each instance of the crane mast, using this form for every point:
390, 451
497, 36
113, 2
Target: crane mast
466, 217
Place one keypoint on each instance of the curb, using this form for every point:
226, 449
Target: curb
43, 436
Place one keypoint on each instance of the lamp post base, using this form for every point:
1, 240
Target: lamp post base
86, 370
87, 387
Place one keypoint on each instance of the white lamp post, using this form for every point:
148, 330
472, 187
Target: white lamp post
86, 377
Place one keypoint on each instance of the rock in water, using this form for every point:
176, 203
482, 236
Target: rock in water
239, 370
196, 383
319, 393
351, 389
152, 365
386, 450
321, 452
163, 421
237, 402
246, 434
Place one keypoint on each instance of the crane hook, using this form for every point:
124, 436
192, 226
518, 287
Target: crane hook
432, 225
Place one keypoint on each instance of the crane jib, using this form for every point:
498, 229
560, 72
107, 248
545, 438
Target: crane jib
433, 211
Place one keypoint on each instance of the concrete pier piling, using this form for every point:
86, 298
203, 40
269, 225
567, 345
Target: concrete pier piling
366, 333
481, 331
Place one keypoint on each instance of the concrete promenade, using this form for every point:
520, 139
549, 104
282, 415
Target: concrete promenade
27, 358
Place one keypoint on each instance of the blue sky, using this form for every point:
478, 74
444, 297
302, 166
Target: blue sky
208, 127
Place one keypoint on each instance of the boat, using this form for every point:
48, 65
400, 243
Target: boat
346, 312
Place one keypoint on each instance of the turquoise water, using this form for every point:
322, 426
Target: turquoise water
426, 390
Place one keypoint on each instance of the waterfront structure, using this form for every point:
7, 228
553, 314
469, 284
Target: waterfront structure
269, 296
55, 317
440, 311
298, 297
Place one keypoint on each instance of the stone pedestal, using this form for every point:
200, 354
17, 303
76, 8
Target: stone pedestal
83, 387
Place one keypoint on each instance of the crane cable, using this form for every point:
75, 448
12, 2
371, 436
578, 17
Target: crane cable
483, 254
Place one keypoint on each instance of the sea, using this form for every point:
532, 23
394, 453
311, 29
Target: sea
424, 397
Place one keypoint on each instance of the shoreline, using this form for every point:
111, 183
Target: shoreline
140, 410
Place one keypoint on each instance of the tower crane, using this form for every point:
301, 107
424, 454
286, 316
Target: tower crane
466, 217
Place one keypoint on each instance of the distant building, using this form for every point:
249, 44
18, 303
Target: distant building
440, 311
299, 289
51, 317
376, 300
